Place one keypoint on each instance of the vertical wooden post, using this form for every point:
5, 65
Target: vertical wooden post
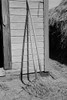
46, 34
6, 34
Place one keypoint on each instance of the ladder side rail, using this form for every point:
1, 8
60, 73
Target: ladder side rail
22, 57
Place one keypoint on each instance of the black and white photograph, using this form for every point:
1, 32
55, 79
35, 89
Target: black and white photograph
33, 49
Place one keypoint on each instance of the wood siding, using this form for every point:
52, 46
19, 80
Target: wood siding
17, 22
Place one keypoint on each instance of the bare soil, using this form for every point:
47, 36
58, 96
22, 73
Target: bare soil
42, 88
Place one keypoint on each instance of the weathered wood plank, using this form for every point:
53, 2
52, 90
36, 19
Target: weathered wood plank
18, 11
25, 65
46, 35
38, 25
17, 19
23, 12
17, 66
16, 4
22, 25
19, 46
17, 25
6, 34
18, 52
19, 33
20, 19
25, 0
17, 59
15, 40
33, 0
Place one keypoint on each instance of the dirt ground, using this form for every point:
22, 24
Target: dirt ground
43, 88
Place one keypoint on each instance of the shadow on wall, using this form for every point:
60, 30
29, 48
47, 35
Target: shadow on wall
57, 44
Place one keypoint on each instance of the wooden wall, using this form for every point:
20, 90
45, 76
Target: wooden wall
17, 21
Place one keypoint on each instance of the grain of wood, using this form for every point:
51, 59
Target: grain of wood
6, 34
17, 23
